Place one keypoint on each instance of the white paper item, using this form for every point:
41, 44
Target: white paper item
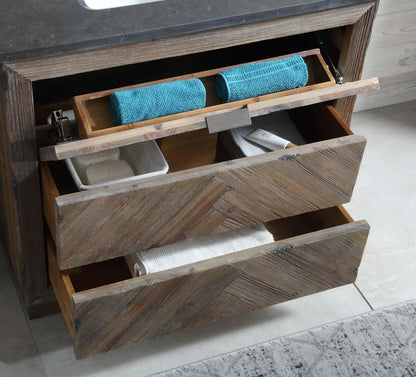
266, 139
278, 123
182, 253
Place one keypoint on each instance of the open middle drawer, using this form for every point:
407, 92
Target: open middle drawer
106, 309
121, 219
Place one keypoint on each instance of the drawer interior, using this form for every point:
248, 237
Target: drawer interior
113, 221
105, 308
56, 93
199, 148
111, 271
94, 121
93, 112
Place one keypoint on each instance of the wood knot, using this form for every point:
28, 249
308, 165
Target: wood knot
287, 157
77, 323
187, 306
282, 248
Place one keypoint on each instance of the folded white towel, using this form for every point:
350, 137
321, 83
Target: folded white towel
278, 123
182, 253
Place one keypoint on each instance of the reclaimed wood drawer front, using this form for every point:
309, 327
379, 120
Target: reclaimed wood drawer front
101, 224
313, 252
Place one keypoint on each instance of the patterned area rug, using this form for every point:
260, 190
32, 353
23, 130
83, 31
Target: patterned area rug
379, 343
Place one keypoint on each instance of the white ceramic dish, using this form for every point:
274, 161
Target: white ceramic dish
145, 159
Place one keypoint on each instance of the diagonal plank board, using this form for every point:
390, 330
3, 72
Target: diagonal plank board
102, 224
123, 313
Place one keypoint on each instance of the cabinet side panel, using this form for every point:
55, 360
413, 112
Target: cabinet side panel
21, 188
351, 61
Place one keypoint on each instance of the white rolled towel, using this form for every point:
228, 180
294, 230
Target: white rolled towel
183, 253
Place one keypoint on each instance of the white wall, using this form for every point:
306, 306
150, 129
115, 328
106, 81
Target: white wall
392, 55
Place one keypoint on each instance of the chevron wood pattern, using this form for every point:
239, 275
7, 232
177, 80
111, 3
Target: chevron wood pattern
123, 313
106, 223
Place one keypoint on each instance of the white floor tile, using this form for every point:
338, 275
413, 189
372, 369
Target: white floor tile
18, 354
385, 195
55, 348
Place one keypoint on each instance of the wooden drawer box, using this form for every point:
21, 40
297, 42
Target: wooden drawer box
93, 113
105, 223
105, 309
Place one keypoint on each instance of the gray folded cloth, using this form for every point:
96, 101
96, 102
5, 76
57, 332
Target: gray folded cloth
182, 253
81, 163
108, 171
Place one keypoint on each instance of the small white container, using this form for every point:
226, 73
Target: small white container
145, 159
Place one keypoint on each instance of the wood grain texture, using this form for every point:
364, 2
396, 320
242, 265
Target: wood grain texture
120, 220
189, 150
391, 55
22, 185
62, 287
186, 44
45, 305
388, 61
49, 193
393, 7
316, 96
123, 313
80, 147
308, 222
7, 218
394, 89
352, 54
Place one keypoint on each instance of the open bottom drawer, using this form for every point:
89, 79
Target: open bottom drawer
106, 309
110, 222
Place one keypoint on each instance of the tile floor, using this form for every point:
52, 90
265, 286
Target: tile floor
385, 195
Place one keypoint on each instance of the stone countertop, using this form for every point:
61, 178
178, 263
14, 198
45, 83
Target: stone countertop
35, 28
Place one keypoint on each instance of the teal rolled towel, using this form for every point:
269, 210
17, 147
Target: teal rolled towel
135, 105
257, 79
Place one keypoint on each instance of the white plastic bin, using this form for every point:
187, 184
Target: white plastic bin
144, 158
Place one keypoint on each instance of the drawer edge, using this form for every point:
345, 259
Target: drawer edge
194, 295
98, 225
118, 139
62, 286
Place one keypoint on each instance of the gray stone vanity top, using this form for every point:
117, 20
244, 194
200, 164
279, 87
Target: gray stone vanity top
36, 28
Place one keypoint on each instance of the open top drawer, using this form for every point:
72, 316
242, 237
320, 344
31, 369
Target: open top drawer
125, 218
106, 309
95, 124
93, 113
